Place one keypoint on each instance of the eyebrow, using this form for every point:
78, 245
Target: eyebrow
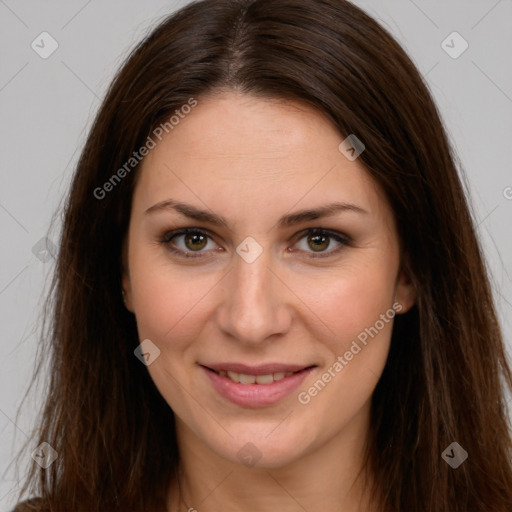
288, 220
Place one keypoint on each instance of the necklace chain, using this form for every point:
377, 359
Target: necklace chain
180, 499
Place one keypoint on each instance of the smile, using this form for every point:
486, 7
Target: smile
244, 378
252, 387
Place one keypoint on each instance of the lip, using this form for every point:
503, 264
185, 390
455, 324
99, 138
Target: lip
256, 395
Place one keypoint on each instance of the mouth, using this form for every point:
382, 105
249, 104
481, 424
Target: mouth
248, 378
255, 386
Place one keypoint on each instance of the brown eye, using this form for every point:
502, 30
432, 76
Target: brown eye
195, 241
189, 243
322, 243
318, 242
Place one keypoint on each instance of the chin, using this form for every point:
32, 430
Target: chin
259, 447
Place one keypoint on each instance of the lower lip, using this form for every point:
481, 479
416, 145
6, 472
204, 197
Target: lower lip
256, 395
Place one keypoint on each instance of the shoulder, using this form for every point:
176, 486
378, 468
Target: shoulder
33, 505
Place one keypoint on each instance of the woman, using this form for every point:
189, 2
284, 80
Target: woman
269, 292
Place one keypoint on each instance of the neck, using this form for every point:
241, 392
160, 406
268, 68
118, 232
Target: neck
330, 477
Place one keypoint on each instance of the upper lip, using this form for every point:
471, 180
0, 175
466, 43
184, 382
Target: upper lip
262, 369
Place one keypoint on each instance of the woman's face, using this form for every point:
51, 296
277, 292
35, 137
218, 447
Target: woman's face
288, 277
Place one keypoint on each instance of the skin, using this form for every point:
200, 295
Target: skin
252, 161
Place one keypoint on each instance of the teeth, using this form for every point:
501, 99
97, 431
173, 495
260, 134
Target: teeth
264, 379
235, 377
243, 378
247, 379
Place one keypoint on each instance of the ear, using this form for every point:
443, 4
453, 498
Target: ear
405, 293
125, 277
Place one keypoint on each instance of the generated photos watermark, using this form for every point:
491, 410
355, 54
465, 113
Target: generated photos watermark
454, 455
249, 250
44, 455
351, 147
249, 455
304, 397
44, 45
137, 156
454, 45
147, 352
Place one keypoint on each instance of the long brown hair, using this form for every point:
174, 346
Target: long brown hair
113, 431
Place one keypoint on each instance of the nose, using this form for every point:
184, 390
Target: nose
254, 306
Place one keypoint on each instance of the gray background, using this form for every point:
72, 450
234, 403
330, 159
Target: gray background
47, 106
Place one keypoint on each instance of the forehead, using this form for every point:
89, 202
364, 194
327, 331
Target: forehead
252, 151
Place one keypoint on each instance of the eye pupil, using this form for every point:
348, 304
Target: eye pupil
195, 241
318, 242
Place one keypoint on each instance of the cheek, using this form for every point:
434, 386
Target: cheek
167, 299
351, 301
357, 308
169, 310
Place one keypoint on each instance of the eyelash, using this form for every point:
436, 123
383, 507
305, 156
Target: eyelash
338, 237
